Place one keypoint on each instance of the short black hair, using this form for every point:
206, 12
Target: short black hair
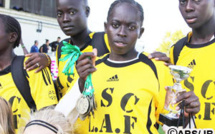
132, 2
35, 41
47, 40
12, 25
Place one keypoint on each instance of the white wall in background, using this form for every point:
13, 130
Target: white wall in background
50, 28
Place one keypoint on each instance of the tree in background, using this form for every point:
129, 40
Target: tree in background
169, 40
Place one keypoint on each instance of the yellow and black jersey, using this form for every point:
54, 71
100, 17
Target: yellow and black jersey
200, 58
129, 95
41, 88
64, 82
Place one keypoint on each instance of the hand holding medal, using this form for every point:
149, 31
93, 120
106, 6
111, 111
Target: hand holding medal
86, 103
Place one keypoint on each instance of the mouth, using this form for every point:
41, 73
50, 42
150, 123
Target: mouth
120, 43
191, 20
67, 28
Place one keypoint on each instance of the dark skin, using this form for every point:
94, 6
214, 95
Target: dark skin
159, 56
6, 49
199, 15
72, 17
117, 28
34, 58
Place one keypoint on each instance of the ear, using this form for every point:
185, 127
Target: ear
141, 32
87, 11
13, 37
105, 26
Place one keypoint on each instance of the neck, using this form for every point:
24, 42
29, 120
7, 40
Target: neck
123, 57
79, 39
6, 58
204, 33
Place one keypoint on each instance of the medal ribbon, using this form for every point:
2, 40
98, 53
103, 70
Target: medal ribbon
72, 53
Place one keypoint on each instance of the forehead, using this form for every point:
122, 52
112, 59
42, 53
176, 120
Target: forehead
125, 12
69, 4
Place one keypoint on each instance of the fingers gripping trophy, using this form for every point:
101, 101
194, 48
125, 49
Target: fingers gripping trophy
173, 117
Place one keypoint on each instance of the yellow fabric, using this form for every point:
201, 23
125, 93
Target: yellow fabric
42, 91
126, 95
66, 83
201, 80
107, 43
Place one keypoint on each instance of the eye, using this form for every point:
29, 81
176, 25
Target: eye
72, 12
114, 25
132, 28
182, 2
196, 0
59, 14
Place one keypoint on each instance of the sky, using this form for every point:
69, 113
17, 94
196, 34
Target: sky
160, 17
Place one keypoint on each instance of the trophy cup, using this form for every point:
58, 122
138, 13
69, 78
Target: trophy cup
172, 118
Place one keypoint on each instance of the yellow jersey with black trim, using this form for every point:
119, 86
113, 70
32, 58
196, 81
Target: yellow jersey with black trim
129, 95
42, 91
200, 58
64, 82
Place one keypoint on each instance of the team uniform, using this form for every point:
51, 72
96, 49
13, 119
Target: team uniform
129, 95
41, 88
200, 58
64, 82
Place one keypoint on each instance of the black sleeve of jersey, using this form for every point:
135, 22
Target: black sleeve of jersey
98, 42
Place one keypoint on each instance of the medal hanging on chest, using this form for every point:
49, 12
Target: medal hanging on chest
86, 103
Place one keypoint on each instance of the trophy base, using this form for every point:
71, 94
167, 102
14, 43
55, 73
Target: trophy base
170, 121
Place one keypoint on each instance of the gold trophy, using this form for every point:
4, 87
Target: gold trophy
172, 118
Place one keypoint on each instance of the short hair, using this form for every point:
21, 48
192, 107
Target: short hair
54, 118
6, 118
47, 40
58, 37
12, 25
131, 2
35, 41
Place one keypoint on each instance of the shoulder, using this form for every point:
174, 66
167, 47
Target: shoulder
157, 65
183, 40
101, 59
94, 34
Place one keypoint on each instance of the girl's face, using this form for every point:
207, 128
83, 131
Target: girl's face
123, 28
4, 37
35, 129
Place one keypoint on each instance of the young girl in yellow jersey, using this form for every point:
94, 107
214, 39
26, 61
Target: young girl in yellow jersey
196, 51
129, 87
41, 86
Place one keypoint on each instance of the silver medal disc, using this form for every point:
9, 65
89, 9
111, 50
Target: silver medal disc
83, 105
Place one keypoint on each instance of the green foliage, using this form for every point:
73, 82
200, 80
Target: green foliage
169, 40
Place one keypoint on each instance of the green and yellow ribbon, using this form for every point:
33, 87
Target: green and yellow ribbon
72, 53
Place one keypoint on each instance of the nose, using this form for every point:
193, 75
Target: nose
122, 31
66, 17
189, 6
